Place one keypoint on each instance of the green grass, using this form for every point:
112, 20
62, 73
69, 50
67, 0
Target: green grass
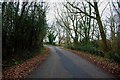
90, 49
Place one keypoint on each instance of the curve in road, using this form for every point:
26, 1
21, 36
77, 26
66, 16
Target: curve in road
64, 64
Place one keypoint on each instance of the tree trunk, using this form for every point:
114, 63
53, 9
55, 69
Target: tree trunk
102, 33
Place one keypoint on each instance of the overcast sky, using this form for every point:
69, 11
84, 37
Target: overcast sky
52, 8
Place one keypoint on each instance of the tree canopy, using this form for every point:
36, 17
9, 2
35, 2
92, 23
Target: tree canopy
23, 27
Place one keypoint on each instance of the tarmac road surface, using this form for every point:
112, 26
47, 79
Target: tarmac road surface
64, 64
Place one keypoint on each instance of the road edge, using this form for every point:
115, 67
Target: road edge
22, 70
111, 68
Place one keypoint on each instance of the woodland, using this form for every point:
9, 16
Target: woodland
77, 25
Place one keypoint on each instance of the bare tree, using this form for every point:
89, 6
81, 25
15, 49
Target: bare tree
96, 17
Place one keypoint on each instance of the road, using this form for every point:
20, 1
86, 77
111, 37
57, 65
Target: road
64, 64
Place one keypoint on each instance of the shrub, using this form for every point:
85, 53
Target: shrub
87, 48
113, 56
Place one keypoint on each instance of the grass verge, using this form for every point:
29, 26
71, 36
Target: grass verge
23, 69
105, 64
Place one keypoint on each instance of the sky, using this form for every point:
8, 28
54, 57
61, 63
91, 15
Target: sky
102, 4
52, 8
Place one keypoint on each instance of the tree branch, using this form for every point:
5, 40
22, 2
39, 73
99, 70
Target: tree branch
81, 11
